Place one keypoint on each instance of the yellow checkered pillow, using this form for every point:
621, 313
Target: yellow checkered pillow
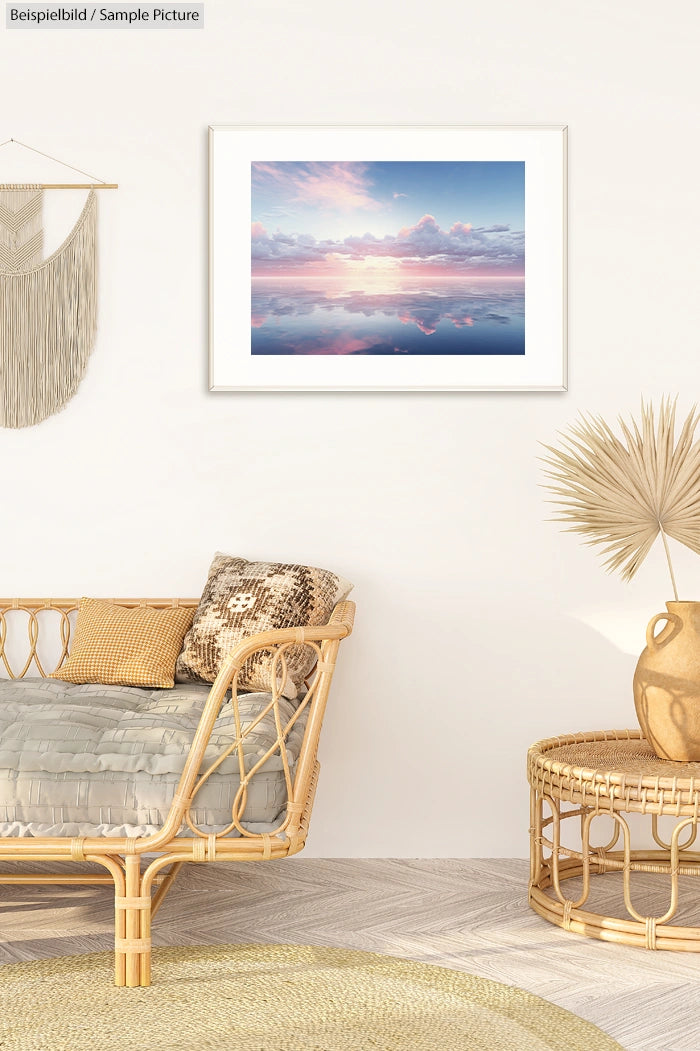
120, 646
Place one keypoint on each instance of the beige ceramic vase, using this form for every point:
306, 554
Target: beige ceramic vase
667, 683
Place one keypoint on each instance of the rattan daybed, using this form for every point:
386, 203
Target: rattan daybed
215, 743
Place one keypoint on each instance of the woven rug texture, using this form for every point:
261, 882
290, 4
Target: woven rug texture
277, 998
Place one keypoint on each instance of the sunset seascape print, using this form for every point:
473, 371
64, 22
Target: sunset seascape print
393, 257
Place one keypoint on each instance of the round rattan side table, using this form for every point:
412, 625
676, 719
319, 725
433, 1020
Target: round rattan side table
579, 778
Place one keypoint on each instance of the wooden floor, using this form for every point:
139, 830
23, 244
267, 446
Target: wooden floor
470, 915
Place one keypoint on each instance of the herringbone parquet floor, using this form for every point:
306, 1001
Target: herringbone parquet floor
467, 914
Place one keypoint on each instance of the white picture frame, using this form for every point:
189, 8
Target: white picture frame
233, 151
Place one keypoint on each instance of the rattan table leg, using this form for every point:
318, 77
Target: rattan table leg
547, 874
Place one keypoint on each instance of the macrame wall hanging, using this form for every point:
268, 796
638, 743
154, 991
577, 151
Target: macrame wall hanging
48, 306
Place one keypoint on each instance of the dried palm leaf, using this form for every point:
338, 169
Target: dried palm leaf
622, 492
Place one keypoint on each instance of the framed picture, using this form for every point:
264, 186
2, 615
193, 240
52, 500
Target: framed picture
387, 258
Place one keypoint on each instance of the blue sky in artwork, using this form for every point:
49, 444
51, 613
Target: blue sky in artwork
420, 216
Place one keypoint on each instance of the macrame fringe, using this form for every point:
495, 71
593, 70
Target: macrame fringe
48, 323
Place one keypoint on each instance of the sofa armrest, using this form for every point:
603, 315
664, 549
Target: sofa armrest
325, 640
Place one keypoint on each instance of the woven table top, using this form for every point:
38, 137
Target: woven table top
613, 769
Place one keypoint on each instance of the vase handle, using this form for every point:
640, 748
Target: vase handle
654, 641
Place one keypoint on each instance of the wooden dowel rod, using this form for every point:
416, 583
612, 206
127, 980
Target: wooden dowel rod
64, 185
79, 186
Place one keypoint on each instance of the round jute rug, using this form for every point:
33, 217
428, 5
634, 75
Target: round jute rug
277, 998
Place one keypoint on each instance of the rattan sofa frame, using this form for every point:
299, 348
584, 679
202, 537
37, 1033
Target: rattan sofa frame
141, 883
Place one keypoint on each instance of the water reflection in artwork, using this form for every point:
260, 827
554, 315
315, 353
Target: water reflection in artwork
442, 317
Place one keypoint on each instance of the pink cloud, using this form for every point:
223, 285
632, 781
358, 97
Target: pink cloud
340, 186
426, 223
427, 248
422, 249
257, 231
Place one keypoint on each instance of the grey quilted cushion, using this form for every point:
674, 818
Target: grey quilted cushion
76, 760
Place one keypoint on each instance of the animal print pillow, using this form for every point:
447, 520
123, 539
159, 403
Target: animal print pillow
242, 598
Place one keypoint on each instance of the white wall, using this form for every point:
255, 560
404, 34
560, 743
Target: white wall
480, 626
